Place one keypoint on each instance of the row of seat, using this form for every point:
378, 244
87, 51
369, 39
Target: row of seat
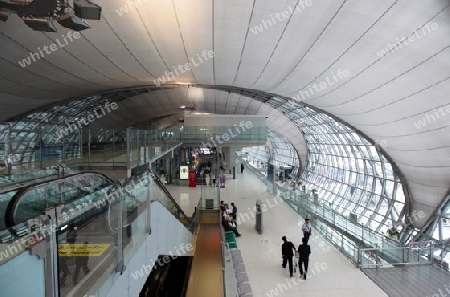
240, 274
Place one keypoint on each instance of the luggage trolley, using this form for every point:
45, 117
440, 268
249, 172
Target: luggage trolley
296, 259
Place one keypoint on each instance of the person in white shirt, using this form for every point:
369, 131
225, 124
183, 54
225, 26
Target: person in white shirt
306, 228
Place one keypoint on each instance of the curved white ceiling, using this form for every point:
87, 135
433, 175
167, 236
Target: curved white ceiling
336, 45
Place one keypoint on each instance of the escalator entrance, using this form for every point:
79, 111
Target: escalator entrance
168, 278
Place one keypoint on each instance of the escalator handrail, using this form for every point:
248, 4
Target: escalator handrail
11, 208
164, 189
15, 187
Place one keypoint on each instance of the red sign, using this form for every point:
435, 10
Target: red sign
192, 179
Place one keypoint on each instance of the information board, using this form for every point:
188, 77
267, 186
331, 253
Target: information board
184, 172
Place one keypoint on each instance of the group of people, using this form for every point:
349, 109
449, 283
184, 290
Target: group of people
304, 250
229, 218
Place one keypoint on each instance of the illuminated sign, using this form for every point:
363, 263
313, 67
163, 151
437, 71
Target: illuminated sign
184, 172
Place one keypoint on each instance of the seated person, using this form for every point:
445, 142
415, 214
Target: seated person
222, 206
227, 226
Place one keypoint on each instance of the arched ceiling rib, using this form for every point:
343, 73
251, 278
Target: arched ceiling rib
395, 91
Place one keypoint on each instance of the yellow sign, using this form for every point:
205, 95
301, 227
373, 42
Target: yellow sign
82, 249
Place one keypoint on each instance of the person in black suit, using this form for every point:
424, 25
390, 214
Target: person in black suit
72, 235
226, 225
234, 213
287, 252
81, 262
304, 250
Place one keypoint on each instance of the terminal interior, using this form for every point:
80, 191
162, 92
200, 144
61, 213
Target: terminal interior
124, 124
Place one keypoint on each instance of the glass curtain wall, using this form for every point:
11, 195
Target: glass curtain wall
349, 172
441, 225
46, 138
256, 156
30, 146
284, 154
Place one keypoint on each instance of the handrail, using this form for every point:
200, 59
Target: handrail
416, 253
348, 236
354, 240
164, 189
10, 212
18, 184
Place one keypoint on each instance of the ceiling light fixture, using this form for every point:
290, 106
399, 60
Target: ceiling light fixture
87, 10
40, 14
73, 22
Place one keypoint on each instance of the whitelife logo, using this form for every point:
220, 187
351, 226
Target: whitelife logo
184, 68
130, 6
227, 136
146, 269
33, 57
279, 17
26, 241
84, 121
418, 34
429, 118
314, 88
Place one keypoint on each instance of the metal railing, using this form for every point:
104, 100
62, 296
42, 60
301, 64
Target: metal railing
179, 213
361, 245
416, 253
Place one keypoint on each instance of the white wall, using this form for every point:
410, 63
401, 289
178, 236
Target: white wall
168, 236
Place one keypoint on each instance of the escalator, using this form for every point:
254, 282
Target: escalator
98, 227
168, 278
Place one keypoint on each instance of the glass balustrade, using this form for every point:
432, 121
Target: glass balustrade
96, 229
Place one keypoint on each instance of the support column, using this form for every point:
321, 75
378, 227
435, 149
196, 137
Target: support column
230, 157
149, 205
120, 253
8, 150
128, 136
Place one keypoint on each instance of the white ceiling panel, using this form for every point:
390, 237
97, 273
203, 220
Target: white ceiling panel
385, 95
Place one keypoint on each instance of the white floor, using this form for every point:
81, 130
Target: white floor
330, 273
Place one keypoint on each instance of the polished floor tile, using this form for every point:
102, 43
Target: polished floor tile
330, 273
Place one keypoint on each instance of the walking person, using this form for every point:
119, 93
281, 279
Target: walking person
72, 235
234, 213
64, 269
242, 167
306, 228
304, 250
287, 252
81, 263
